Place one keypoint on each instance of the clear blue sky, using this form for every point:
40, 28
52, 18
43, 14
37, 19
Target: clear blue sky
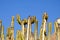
25, 8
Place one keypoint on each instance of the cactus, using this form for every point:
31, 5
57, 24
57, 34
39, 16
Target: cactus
10, 31
49, 30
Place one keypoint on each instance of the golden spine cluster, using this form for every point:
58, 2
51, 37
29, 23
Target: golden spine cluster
26, 32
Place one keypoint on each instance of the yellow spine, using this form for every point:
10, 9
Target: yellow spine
49, 31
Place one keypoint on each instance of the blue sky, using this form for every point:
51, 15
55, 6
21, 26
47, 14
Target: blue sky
25, 8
